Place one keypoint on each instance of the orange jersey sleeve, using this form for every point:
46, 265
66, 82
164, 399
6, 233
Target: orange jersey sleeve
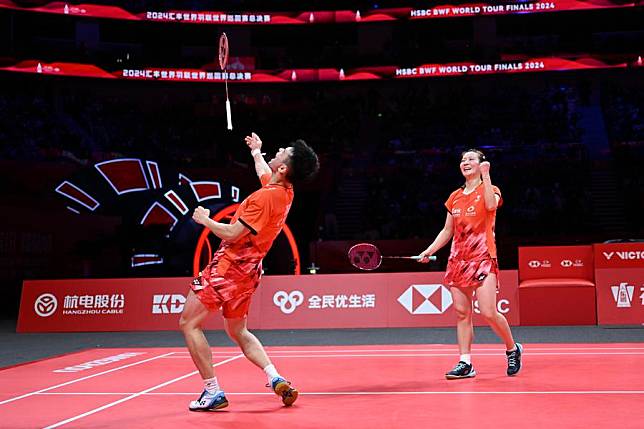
450, 200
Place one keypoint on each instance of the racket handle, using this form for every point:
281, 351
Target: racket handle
415, 258
229, 118
418, 258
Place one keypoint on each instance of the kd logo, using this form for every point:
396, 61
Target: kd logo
288, 302
534, 264
566, 263
45, 305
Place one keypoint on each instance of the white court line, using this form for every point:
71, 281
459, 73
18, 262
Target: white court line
525, 353
411, 392
26, 395
86, 393
446, 348
134, 395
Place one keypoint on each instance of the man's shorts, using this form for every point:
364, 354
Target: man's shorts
464, 274
231, 291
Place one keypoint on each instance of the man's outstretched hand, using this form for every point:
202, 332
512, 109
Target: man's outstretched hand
253, 142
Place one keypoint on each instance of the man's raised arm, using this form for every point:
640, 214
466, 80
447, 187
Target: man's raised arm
255, 145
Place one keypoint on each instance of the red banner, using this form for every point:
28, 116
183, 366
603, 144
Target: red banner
619, 275
282, 302
105, 305
317, 17
324, 301
477, 9
555, 262
619, 255
510, 65
620, 296
424, 301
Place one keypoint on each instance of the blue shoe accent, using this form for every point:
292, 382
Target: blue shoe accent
209, 401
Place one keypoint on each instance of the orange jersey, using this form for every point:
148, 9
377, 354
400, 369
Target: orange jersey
263, 212
473, 225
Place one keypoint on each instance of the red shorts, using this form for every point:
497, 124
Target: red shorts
231, 291
470, 273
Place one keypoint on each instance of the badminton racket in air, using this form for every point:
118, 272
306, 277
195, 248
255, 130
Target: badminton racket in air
223, 62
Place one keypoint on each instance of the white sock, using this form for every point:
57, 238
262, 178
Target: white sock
211, 385
466, 358
271, 372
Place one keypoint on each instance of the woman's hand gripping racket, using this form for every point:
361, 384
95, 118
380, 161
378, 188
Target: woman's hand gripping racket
367, 257
223, 62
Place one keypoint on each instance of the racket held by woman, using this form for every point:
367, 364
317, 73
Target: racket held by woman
367, 257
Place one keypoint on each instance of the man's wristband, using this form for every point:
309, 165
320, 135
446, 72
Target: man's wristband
255, 152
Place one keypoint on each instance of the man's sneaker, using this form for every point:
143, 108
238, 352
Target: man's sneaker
461, 370
284, 390
514, 360
209, 401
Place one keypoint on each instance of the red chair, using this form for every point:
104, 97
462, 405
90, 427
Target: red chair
557, 286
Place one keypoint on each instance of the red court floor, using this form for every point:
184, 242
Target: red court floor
360, 387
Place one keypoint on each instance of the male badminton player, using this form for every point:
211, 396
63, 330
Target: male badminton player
472, 267
229, 280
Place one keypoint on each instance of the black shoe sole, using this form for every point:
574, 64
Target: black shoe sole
472, 374
287, 393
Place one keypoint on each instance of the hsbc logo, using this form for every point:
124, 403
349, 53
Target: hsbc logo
426, 299
537, 264
567, 263
168, 304
45, 305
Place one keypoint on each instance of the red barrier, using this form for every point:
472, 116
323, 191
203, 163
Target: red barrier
619, 274
555, 262
556, 285
619, 255
281, 302
369, 300
105, 305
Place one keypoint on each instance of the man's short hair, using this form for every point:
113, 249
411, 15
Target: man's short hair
303, 163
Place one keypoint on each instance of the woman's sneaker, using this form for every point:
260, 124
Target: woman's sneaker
461, 370
209, 401
514, 360
284, 390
